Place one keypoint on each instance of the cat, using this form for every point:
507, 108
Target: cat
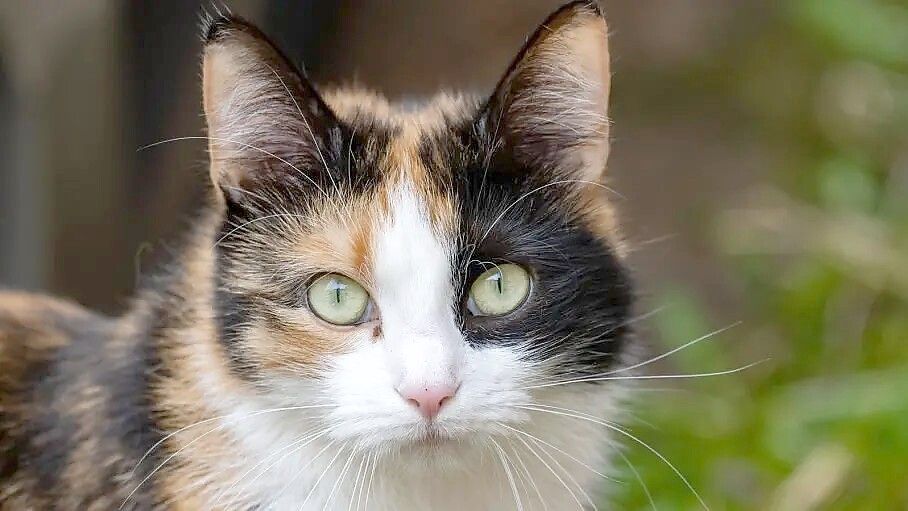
379, 308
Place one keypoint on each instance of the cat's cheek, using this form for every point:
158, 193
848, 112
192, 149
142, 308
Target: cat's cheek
365, 406
492, 388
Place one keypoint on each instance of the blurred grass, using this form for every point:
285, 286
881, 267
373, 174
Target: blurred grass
822, 255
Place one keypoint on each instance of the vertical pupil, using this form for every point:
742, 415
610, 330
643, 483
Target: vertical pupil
498, 280
336, 288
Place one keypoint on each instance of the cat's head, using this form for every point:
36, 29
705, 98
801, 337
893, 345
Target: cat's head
423, 273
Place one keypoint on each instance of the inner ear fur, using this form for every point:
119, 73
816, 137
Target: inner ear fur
550, 109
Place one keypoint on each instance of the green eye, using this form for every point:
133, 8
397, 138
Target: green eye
338, 299
499, 290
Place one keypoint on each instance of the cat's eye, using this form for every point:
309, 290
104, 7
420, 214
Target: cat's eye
338, 299
499, 290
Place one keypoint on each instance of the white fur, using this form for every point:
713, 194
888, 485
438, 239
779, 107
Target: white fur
373, 427
422, 345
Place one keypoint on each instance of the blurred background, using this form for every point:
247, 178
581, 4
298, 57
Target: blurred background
762, 149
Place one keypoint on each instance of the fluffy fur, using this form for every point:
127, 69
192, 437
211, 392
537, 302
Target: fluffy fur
222, 390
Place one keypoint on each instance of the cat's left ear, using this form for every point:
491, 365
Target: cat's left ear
550, 110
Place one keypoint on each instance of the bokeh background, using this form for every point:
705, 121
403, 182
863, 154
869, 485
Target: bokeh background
761, 147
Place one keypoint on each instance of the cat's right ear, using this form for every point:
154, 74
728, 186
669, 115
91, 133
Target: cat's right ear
266, 122
550, 109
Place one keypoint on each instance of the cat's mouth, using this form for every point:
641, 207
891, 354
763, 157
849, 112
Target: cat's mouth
432, 436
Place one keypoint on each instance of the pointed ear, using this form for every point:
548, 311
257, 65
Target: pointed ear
550, 110
266, 122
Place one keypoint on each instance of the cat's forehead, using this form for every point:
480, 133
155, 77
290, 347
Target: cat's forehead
405, 219
363, 108
404, 158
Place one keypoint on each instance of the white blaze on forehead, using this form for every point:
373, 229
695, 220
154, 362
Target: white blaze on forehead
413, 290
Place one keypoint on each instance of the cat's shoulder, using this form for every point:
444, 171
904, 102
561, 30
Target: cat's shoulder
73, 415
21, 305
34, 325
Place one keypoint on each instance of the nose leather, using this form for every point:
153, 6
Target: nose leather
428, 400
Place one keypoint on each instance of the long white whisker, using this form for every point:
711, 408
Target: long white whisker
300, 472
649, 496
321, 476
507, 470
529, 476
356, 481
306, 439
531, 192
205, 421
350, 155
520, 478
243, 144
371, 478
166, 460
675, 350
560, 451
635, 439
535, 190
340, 477
636, 319
567, 474
549, 467
649, 377
159, 442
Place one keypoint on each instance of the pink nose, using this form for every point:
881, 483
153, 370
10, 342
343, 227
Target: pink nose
428, 400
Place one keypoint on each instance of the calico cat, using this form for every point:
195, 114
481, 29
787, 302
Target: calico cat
379, 309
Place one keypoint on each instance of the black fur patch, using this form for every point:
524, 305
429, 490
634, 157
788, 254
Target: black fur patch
581, 296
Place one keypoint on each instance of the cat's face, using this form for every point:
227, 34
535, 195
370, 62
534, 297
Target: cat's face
422, 274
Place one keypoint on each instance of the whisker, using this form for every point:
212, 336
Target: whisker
253, 221
356, 482
340, 477
650, 377
529, 475
205, 421
159, 442
636, 246
518, 476
300, 472
350, 155
321, 476
675, 350
539, 189
640, 317
371, 478
635, 439
528, 194
242, 144
570, 477
166, 460
649, 496
558, 477
560, 451
636, 319
305, 440
507, 471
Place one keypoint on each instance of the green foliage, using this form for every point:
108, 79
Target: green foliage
823, 424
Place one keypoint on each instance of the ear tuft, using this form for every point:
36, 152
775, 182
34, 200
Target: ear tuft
214, 27
550, 109
212, 24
